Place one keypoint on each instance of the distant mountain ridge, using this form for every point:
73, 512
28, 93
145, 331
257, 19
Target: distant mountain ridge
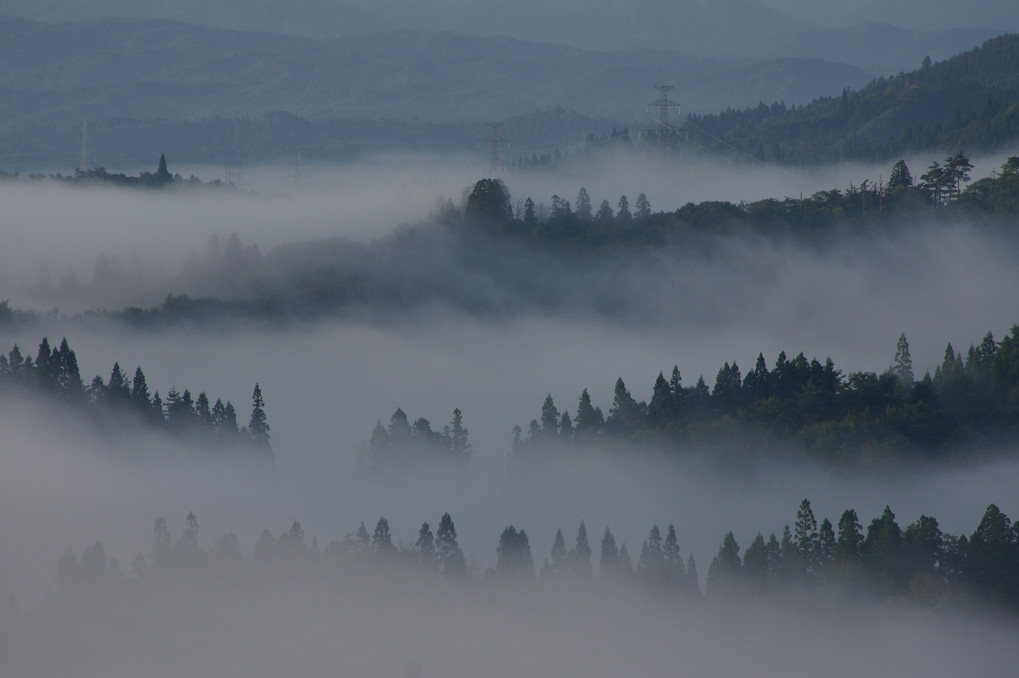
717, 28
60, 73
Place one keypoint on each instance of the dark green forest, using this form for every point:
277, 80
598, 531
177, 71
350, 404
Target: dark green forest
917, 564
862, 419
121, 404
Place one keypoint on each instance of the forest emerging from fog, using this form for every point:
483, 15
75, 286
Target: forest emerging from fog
470, 256
842, 561
698, 317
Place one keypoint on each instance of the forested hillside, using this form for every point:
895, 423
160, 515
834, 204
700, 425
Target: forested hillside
970, 101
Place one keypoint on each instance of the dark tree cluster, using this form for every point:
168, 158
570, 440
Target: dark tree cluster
122, 400
918, 562
161, 178
939, 193
860, 418
403, 445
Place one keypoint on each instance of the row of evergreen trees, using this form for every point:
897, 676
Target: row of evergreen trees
54, 373
860, 417
489, 206
919, 561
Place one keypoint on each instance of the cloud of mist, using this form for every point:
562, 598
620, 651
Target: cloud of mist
326, 384
58, 490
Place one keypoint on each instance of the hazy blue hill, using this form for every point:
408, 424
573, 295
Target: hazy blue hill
313, 18
60, 73
880, 39
912, 14
877, 47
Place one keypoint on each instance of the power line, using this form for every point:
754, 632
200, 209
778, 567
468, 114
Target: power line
84, 146
494, 141
663, 129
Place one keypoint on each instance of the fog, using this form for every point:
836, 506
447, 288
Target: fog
154, 232
327, 382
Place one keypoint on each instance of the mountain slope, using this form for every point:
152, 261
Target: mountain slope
970, 101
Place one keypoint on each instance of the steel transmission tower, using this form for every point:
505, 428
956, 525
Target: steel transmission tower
663, 130
494, 140
84, 146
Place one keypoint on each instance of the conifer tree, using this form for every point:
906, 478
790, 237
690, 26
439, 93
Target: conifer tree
451, 558
806, 537
903, 366
724, 574
693, 584
117, 390
651, 562
589, 419
549, 419
626, 414
623, 211
756, 569
203, 413
513, 555
642, 207
258, 427
624, 564
458, 441
424, 547
583, 211
675, 572
46, 368
579, 557
69, 378
382, 541
609, 560
558, 564
141, 401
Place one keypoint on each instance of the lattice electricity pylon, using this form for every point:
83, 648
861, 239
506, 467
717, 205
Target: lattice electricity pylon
494, 140
662, 132
83, 167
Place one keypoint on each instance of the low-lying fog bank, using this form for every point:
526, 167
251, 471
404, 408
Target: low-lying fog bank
60, 488
57, 237
436, 630
396, 631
